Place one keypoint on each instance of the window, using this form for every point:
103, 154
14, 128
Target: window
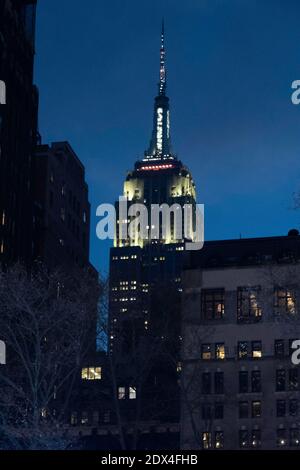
294, 437
279, 348
285, 302
91, 373
280, 408
256, 381
219, 382
293, 379
293, 407
206, 383
206, 351
212, 304
256, 409
281, 437
84, 417
206, 412
219, 410
256, 438
219, 439
280, 380
243, 410
242, 350
106, 416
132, 393
206, 440
95, 417
244, 438
121, 393
243, 381
74, 418
220, 351
256, 349
248, 309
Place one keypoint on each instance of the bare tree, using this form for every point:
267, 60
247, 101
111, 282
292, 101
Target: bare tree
47, 322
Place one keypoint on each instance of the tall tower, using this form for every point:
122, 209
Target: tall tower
145, 272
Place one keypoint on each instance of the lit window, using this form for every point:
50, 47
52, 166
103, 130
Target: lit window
2, 247
219, 439
132, 393
285, 301
256, 349
248, 309
3, 218
212, 304
91, 373
121, 393
206, 351
206, 440
220, 351
242, 349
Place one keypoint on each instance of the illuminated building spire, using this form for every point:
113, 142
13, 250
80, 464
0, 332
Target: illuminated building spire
160, 145
162, 70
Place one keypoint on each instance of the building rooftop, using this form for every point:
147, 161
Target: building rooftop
245, 252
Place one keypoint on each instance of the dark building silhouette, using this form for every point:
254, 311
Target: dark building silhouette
18, 130
62, 208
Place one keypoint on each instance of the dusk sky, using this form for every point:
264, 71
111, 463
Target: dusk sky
230, 68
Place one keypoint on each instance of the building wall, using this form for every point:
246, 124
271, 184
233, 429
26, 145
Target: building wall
18, 130
198, 332
61, 206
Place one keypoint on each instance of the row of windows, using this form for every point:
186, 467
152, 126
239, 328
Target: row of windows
285, 380
207, 350
245, 349
89, 418
253, 409
252, 438
248, 303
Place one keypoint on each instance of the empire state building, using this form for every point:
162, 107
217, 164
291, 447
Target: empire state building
145, 271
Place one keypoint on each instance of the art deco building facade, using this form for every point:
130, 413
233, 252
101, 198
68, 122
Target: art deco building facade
18, 130
141, 267
240, 310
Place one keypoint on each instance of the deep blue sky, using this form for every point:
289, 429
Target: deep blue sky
230, 67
